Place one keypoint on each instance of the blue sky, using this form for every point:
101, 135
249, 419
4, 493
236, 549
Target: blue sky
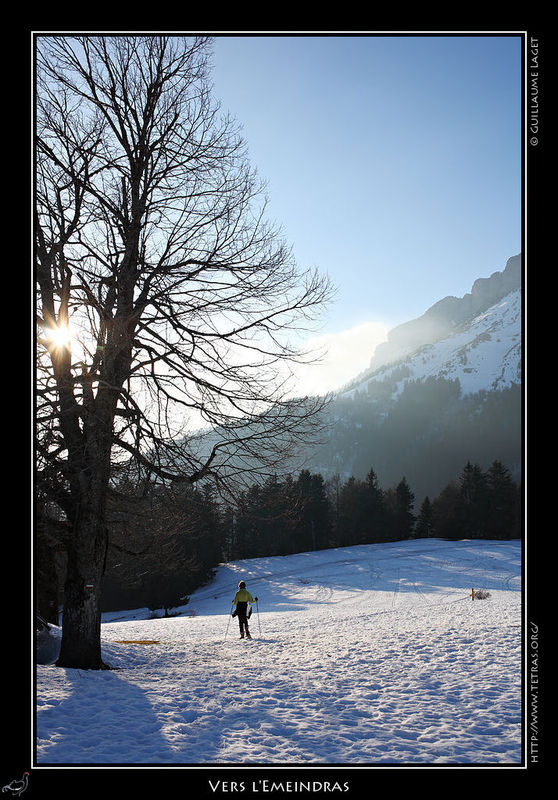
393, 164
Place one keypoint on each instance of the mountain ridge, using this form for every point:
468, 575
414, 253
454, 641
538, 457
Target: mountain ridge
482, 329
447, 314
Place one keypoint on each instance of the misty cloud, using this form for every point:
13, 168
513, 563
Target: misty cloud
343, 356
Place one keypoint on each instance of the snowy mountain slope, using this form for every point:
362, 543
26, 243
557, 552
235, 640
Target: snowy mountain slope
444, 390
449, 315
364, 655
485, 353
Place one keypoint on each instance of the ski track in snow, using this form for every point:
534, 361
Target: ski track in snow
362, 655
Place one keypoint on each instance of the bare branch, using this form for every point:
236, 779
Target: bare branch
180, 301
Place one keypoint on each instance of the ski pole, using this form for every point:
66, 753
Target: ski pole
229, 622
259, 623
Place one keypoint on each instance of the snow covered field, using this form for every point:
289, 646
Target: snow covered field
362, 655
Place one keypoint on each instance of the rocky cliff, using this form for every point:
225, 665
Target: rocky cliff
447, 315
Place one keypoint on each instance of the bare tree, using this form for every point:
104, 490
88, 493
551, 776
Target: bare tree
166, 302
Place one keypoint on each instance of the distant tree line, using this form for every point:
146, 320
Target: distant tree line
479, 505
309, 513
167, 542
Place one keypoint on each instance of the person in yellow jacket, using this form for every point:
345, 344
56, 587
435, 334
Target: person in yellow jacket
241, 600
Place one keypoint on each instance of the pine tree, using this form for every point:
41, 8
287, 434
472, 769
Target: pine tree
248, 510
313, 522
374, 509
333, 488
503, 510
425, 522
352, 519
228, 525
274, 519
401, 520
445, 512
473, 507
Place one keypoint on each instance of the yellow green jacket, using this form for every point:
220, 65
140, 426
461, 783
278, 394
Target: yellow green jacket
243, 596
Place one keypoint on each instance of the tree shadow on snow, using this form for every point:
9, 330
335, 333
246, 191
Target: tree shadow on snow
104, 720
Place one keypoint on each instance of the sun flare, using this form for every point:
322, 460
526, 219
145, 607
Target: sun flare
60, 336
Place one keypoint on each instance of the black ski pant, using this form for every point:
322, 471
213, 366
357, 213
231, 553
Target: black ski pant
241, 612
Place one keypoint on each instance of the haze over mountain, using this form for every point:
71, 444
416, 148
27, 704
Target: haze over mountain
444, 389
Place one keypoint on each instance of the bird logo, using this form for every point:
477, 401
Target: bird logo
17, 787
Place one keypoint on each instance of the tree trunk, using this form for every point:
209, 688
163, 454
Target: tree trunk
87, 547
81, 624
